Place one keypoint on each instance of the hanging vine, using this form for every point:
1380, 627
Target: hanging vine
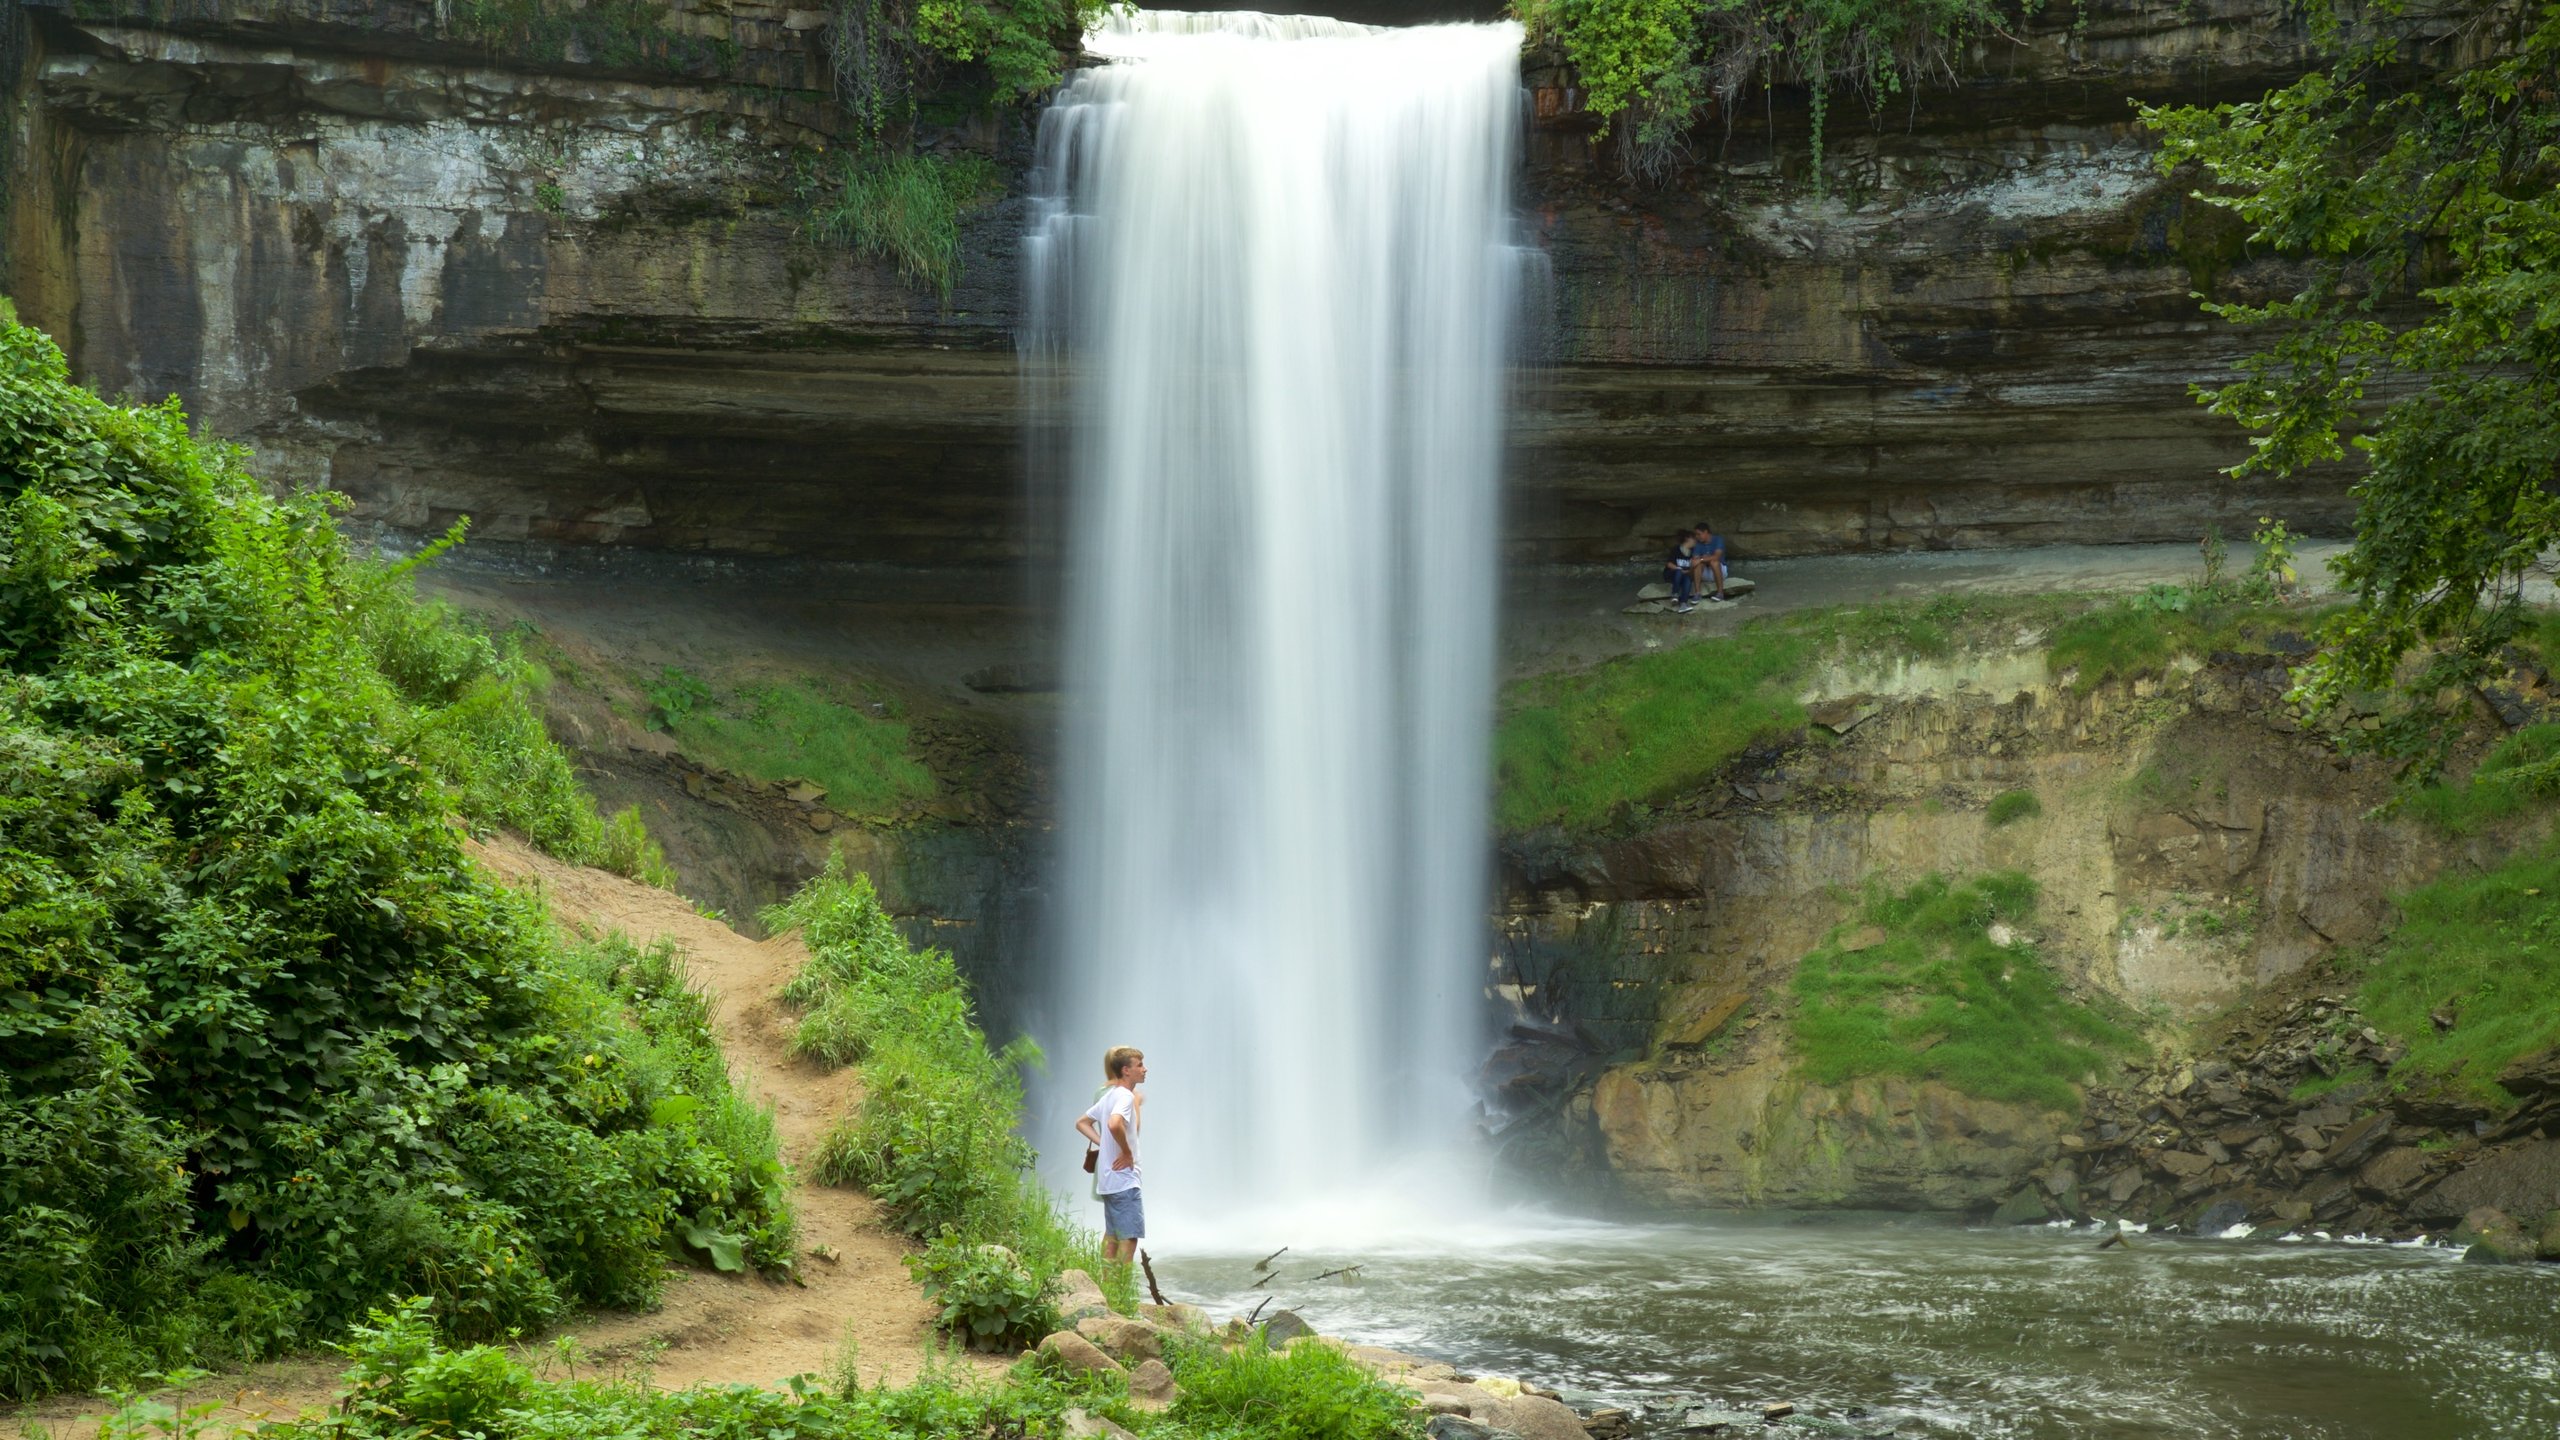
1653, 67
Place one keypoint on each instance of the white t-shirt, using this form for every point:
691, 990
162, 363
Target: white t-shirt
1121, 1101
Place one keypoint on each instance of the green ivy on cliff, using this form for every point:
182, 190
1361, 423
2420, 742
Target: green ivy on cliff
272, 1048
614, 34
1652, 68
887, 54
2424, 341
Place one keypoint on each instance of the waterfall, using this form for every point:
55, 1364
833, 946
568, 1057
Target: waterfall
1270, 272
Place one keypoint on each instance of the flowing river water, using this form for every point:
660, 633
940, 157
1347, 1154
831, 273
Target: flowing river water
1878, 1325
1271, 291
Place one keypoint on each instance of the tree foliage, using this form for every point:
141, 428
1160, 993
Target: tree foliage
1653, 66
271, 1047
2424, 342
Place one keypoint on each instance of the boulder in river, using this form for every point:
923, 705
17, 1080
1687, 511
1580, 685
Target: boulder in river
2220, 1216
2493, 1238
2024, 1208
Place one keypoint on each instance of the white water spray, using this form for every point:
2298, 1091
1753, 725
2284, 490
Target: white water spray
1272, 266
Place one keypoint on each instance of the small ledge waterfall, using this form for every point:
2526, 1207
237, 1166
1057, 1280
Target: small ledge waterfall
1272, 280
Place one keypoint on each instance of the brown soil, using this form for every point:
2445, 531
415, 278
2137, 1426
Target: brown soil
710, 1328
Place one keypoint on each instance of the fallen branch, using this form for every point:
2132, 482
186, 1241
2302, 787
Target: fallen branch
1265, 1280
1152, 1287
1329, 1274
1265, 1262
1257, 1311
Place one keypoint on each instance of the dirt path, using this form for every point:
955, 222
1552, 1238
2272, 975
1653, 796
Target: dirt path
710, 1327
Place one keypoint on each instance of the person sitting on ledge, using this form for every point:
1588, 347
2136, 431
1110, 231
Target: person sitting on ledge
1681, 569
1706, 553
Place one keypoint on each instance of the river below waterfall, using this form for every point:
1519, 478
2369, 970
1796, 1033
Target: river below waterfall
1917, 1327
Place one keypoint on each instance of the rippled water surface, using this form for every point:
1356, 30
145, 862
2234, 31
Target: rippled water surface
1917, 1328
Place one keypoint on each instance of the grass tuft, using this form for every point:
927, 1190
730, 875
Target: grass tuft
2010, 806
1935, 998
900, 207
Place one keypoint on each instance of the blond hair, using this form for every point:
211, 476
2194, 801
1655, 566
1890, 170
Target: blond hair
1117, 1058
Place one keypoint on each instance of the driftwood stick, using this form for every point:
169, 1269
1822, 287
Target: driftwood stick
1265, 1280
1152, 1287
1257, 1311
1265, 1262
1329, 1274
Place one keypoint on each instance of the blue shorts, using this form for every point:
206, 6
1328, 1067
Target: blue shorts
1124, 1215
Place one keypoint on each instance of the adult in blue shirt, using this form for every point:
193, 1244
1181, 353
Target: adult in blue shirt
1706, 557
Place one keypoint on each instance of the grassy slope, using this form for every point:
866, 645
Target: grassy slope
2483, 949
1592, 748
1917, 987
805, 729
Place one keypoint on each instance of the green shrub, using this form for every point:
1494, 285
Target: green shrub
2010, 806
472, 725
1310, 1391
404, 1383
1653, 67
989, 1297
2482, 950
273, 1045
1935, 997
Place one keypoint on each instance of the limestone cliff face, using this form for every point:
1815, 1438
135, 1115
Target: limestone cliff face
553, 282
463, 258
2192, 849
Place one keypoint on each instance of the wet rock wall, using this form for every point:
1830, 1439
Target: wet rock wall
555, 279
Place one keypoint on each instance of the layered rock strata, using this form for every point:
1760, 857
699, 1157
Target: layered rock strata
2193, 850
542, 267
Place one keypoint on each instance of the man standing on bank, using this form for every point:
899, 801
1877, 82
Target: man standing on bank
1111, 1127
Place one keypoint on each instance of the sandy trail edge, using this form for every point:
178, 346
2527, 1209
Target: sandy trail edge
709, 1328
